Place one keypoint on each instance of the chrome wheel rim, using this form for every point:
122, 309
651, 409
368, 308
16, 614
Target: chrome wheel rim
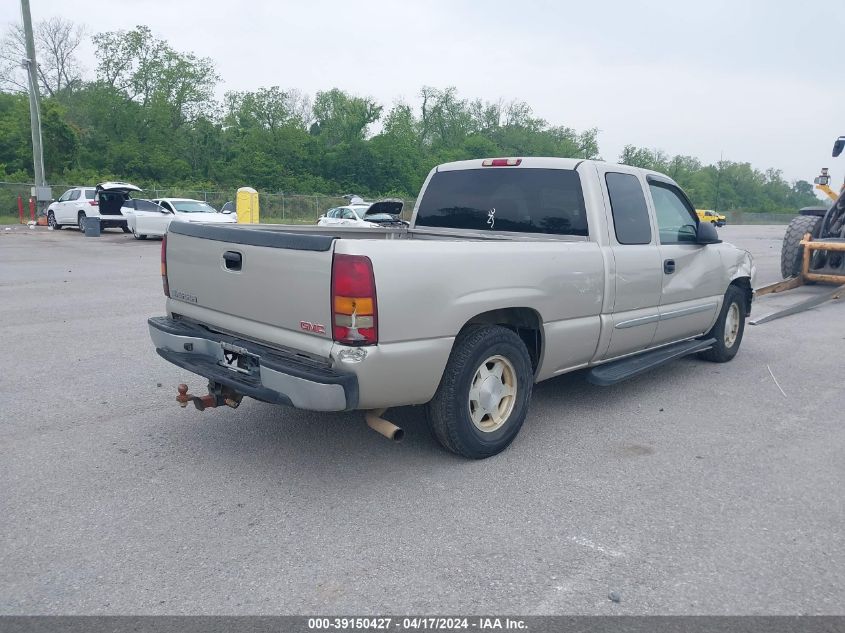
732, 321
51, 220
492, 394
80, 221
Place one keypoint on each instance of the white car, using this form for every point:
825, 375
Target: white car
152, 217
364, 215
105, 201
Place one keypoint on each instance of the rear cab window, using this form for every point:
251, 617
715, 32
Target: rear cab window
522, 200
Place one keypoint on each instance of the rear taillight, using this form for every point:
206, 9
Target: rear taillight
164, 283
501, 162
354, 307
94, 203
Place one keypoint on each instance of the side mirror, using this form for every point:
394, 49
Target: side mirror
706, 234
227, 211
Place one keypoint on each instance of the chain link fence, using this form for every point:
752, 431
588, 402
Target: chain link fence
276, 208
285, 208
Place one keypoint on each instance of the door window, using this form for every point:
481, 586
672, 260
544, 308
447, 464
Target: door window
346, 214
676, 219
630, 213
66, 195
74, 194
143, 205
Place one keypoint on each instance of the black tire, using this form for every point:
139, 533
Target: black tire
726, 348
51, 222
791, 251
449, 412
80, 221
125, 229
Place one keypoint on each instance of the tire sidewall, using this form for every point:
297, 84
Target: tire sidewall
51, 220
723, 353
471, 439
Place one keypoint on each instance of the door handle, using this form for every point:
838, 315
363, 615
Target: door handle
232, 260
668, 266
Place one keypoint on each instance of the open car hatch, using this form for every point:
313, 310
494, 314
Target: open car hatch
112, 195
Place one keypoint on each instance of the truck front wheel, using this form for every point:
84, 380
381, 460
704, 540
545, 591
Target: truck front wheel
729, 328
484, 393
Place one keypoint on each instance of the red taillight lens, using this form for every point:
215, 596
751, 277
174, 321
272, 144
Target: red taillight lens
164, 283
94, 203
501, 162
354, 308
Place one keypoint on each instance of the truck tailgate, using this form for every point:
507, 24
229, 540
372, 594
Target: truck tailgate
263, 275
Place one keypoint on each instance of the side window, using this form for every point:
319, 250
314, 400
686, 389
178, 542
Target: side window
90, 194
332, 213
143, 205
167, 205
630, 213
74, 194
676, 220
65, 196
347, 215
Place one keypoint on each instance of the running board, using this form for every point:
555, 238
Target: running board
619, 370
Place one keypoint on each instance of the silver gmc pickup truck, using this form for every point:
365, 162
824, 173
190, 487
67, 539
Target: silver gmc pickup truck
512, 271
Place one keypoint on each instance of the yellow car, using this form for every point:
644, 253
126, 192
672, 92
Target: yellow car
707, 215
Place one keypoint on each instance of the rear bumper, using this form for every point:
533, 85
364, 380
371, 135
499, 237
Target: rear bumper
280, 377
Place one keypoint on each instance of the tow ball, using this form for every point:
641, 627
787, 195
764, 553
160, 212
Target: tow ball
217, 395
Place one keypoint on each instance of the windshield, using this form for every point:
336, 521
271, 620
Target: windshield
192, 206
523, 200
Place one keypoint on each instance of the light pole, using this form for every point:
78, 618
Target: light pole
34, 112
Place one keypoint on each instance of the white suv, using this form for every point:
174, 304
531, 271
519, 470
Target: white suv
103, 201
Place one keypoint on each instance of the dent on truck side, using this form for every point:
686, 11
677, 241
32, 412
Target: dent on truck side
741, 270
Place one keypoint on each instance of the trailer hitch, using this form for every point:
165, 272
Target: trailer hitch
217, 395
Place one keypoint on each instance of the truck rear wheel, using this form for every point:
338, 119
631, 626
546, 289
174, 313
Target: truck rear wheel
484, 393
792, 252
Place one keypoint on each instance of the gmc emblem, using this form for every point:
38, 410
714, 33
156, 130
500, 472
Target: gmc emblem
312, 327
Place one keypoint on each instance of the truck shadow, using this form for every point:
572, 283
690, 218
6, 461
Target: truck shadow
285, 439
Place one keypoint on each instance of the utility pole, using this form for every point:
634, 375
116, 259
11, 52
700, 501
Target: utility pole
718, 178
34, 112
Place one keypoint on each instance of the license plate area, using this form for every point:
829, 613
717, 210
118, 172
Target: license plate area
239, 359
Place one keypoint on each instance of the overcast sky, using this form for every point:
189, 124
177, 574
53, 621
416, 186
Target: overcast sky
759, 81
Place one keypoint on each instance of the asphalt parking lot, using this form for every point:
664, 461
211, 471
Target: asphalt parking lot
695, 489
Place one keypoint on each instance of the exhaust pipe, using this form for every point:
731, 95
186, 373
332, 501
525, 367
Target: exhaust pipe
380, 425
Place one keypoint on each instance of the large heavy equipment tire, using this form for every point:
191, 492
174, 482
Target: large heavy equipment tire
483, 396
791, 252
729, 327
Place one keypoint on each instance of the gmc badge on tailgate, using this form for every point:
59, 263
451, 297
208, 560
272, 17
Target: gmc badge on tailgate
312, 327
